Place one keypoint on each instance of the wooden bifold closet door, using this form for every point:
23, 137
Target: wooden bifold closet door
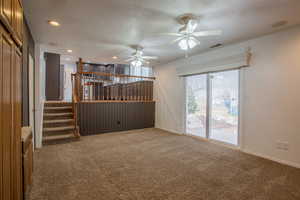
11, 34
1, 120
6, 10
17, 123
10, 119
6, 132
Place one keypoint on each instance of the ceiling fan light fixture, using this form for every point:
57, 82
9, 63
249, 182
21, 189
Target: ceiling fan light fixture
136, 63
186, 44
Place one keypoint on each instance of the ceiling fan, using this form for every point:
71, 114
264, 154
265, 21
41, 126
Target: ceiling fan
137, 59
187, 37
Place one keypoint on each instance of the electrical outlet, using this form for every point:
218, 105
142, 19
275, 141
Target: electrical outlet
285, 146
279, 145
282, 146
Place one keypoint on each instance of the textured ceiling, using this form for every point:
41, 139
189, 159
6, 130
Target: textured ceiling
97, 30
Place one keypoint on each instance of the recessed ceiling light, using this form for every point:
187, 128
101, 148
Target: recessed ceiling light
115, 57
53, 23
69, 50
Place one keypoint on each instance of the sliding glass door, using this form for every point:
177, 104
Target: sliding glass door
196, 98
212, 106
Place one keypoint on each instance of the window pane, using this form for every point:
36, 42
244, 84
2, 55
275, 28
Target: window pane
196, 94
224, 106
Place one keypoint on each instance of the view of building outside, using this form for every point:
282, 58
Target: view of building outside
223, 119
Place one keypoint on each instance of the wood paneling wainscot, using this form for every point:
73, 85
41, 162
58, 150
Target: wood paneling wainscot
102, 117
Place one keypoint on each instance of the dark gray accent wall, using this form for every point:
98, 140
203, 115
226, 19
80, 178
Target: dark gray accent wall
53, 77
96, 118
28, 49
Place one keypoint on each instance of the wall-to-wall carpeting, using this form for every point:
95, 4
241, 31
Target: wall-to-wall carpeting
157, 165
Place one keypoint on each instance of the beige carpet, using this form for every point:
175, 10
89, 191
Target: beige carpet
154, 164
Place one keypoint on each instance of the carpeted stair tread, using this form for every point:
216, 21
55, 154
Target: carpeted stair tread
57, 114
56, 102
58, 139
58, 108
55, 137
58, 121
54, 129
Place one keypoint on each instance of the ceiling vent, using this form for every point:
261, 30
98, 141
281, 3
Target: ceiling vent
53, 44
216, 46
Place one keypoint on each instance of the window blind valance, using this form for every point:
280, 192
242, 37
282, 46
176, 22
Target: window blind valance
223, 59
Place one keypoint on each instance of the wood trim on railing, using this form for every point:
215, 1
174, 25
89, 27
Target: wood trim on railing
128, 92
80, 65
117, 75
115, 101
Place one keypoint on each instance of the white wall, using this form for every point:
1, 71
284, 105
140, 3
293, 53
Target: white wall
170, 98
270, 96
39, 93
69, 69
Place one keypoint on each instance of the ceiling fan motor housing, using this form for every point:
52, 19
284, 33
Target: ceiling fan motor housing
185, 18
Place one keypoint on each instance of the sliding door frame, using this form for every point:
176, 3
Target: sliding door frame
209, 106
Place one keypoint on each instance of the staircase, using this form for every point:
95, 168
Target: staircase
59, 122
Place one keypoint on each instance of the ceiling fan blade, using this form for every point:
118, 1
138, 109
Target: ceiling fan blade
207, 33
130, 59
150, 57
195, 40
172, 34
176, 40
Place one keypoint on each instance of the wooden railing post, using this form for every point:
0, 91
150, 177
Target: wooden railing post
75, 104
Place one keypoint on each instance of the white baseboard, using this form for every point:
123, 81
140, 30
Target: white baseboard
169, 130
39, 125
289, 163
